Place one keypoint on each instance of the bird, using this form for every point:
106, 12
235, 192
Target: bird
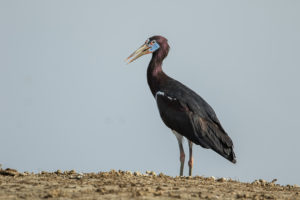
181, 109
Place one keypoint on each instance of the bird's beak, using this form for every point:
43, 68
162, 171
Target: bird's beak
143, 50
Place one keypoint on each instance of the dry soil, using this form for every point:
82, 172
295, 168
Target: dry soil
128, 185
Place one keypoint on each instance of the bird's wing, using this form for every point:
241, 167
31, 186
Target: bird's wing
195, 120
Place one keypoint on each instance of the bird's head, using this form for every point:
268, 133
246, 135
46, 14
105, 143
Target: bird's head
153, 44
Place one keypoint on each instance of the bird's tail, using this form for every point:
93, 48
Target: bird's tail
224, 146
221, 142
229, 154
213, 136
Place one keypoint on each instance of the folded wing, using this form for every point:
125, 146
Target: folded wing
192, 117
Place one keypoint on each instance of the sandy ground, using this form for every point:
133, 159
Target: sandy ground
128, 185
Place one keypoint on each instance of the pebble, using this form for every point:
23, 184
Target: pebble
256, 182
9, 172
139, 193
241, 196
23, 174
58, 171
151, 173
159, 188
137, 173
149, 189
128, 173
158, 193
76, 177
178, 196
221, 179
263, 182
274, 180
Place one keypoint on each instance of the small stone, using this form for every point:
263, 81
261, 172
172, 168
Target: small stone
262, 182
221, 179
101, 190
159, 188
128, 173
178, 196
158, 193
151, 173
22, 174
274, 180
133, 184
256, 182
137, 173
139, 193
9, 172
240, 196
76, 176
58, 171
149, 189
212, 178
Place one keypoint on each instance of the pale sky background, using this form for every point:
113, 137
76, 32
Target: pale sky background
69, 101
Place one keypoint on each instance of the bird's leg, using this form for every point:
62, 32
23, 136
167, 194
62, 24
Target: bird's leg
191, 159
182, 155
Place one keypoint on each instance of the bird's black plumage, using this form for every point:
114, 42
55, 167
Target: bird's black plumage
183, 110
187, 113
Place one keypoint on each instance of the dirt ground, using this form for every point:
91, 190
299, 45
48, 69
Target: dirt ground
128, 185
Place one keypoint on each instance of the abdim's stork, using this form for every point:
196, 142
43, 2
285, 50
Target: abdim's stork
181, 109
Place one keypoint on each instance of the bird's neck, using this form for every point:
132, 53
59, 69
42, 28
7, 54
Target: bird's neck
155, 74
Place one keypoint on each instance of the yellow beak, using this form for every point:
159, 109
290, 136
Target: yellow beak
143, 50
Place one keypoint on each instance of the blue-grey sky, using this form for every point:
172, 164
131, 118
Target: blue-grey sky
69, 101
